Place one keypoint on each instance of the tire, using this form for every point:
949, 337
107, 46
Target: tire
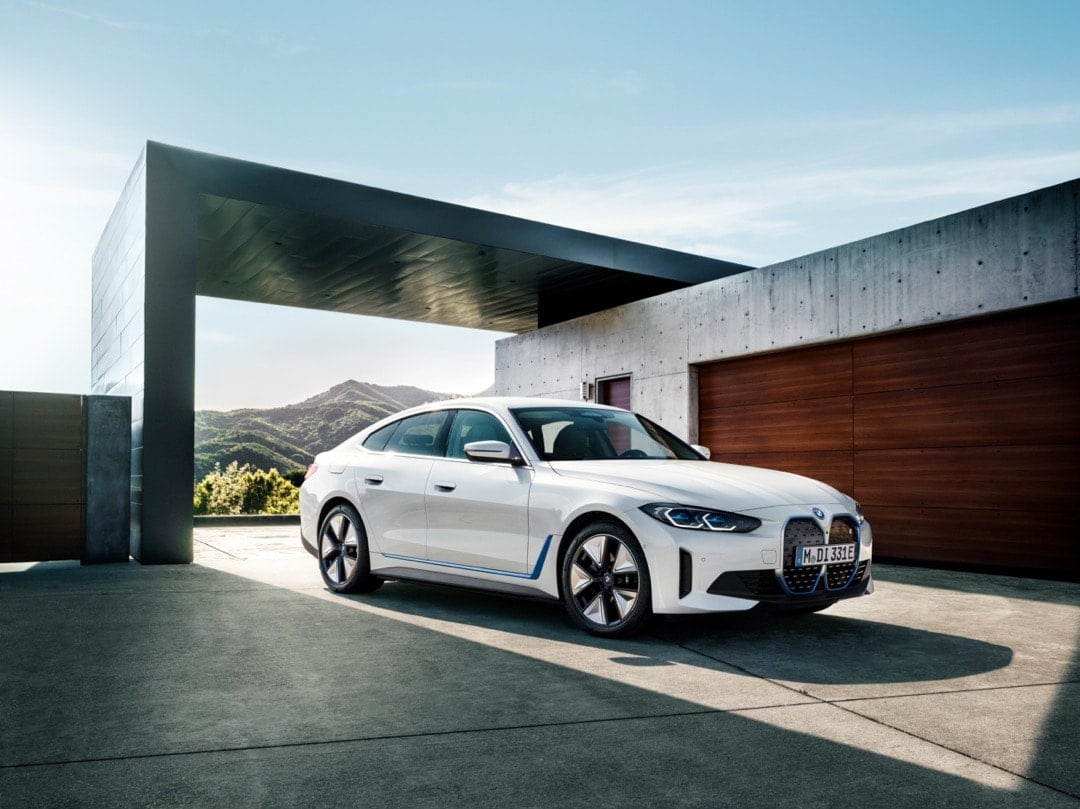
343, 552
604, 581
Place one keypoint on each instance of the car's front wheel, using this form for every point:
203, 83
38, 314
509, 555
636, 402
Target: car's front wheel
605, 581
343, 552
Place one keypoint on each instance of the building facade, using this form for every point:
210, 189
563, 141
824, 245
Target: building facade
933, 372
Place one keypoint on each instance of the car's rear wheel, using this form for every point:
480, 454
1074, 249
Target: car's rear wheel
605, 581
343, 552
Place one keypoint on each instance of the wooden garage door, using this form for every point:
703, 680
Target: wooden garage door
962, 441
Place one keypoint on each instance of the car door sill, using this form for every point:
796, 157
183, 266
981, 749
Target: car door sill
455, 580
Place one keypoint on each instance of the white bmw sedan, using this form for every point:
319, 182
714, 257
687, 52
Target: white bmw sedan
592, 505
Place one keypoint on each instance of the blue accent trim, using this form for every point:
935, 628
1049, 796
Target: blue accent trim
533, 576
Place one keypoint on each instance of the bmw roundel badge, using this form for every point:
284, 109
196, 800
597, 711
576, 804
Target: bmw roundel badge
819, 513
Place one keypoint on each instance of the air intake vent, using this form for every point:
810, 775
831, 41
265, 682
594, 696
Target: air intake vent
686, 573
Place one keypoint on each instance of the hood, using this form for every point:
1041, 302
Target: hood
703, 483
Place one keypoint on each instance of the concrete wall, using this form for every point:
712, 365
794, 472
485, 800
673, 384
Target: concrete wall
1010, 254
107, 443
7, 472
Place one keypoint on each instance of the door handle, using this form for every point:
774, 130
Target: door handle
445, 486
373, 480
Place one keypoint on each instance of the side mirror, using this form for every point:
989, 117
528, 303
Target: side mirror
703, 450
492, 452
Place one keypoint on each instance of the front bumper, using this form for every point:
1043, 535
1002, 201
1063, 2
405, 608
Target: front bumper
716, 572
309, 546
769, 587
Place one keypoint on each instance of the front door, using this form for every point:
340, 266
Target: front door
478, 512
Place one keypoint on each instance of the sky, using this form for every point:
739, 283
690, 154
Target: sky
748, 131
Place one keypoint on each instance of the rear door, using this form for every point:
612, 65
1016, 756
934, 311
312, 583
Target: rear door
391, 483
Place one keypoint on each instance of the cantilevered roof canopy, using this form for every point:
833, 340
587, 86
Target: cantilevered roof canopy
270, 235
191, 224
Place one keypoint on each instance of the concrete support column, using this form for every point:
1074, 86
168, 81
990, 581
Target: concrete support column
107, 439
168, 453
143, 328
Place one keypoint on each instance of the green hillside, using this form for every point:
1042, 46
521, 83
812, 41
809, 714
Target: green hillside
287, 438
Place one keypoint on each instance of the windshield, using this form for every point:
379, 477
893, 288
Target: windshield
592, 434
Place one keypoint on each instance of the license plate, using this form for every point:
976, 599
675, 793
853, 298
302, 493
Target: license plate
809, 555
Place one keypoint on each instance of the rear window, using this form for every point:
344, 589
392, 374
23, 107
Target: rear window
376, 442
423, 434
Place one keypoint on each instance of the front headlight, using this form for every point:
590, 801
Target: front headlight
858, 513
701, 519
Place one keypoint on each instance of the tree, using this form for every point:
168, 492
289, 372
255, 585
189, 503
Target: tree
245, 490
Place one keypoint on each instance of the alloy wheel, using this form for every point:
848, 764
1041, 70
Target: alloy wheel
604, 580
339, 548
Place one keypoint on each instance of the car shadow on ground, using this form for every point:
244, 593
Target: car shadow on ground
819, 648
188, 686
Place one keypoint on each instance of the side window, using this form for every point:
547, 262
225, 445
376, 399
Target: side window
474, 425
419, 435
376, 442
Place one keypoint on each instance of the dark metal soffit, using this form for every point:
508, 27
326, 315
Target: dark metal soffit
270, 235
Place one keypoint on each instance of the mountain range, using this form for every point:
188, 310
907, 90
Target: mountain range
287, 438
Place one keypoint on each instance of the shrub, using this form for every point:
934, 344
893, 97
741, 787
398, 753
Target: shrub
295, 477
245, 490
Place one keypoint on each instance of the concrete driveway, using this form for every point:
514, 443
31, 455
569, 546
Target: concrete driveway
239, 681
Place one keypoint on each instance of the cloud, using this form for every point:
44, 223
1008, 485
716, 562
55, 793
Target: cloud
96, 18
215, 337
124, 24
979, 178
758, 215
671, 207
964, 123
624, 82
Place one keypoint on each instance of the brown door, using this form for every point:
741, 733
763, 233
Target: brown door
962, 441
42, 477
615, 392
